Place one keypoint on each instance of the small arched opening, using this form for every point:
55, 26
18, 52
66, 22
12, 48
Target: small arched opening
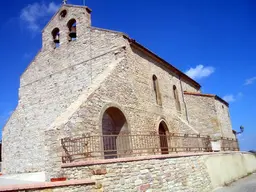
163, 133
72, 30
63, 14
176, 98
56, 37
156, 90
114, 129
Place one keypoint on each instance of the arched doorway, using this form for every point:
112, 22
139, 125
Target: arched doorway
114, 131
163, 131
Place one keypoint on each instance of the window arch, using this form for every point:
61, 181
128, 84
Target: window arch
56, 37
163, 133
63, 14
114, 126
176, 98
72, 29
156, 90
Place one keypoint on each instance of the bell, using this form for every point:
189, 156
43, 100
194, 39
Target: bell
56, 39
72, 33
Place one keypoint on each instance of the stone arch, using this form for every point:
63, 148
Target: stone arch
163, 132
72, 26
160, 119
114, 128
156, 90
56, 37
114, 105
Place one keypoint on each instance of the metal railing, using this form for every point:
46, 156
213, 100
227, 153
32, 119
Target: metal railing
109, 146
229, 144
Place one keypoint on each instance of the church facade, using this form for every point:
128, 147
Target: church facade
88, 80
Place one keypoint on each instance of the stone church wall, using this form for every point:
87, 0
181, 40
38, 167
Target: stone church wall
53, 81
209, 116
65, 91
223, 115
202, 114
129, 88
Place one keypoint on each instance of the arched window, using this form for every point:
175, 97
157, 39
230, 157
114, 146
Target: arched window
72, 29
176, 98
63, 14
156, 90
56, 37
163, 132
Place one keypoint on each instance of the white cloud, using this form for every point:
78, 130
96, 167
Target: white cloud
250, 81
232, 98
200, 72
229, 98
34, 13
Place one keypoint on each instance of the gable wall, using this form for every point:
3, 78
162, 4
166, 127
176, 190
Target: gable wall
53, 81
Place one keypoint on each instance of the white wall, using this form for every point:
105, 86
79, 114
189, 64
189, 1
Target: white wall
226, 168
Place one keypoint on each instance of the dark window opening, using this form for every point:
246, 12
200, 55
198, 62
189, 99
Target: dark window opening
156, 90
72, 30
56, 37
63, 14
176, 98
163, 137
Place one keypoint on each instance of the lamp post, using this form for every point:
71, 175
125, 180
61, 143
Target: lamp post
241, 130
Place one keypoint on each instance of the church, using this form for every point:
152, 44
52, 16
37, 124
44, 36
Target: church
106, 89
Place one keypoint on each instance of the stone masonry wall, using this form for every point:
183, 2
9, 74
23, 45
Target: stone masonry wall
132, 92
170, 174
202, 114
66, 90
129, 88
223, 115
209, 116
53, 81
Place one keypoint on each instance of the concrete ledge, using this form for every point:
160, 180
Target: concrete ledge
47, 185
141, 158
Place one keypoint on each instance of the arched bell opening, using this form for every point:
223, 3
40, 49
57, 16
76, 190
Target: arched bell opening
163, 133
72, 30
56, 37
115, 133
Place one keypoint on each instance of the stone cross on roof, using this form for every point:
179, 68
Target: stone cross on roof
64, 1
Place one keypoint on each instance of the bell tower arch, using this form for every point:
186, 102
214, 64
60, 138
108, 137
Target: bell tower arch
72, 21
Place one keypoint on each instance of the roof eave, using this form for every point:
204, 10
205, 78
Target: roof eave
174, 69
207, 95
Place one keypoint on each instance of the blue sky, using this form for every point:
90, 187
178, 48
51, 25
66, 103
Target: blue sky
213, 41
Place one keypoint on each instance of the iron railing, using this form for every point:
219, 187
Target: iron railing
108, 146
229, 144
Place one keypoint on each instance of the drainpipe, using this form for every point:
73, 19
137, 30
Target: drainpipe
182, 92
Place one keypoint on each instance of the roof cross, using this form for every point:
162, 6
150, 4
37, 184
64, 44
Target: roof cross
64, 2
